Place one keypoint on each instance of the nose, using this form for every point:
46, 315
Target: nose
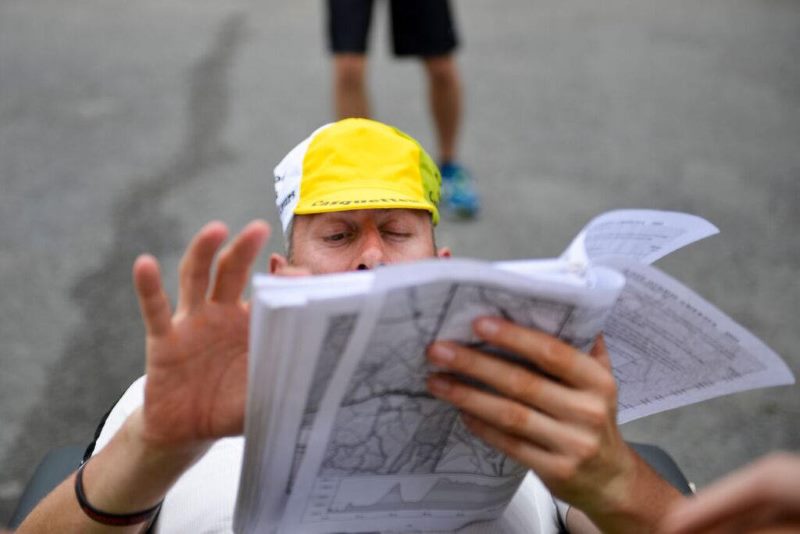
372, 252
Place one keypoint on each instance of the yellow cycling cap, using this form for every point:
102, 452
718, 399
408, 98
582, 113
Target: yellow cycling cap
356, 164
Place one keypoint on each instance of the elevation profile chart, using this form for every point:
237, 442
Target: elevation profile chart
398, 497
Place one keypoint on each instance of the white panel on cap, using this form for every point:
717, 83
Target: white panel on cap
288, 175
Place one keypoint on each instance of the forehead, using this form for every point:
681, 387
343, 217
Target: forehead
377, 216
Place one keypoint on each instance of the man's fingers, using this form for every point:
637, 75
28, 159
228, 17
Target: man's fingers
550, 354
600, 352
508, 415
544, 463
236, 260
195, 267
516, 382
153, 302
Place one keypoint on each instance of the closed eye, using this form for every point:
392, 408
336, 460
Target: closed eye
335, 238
397, 235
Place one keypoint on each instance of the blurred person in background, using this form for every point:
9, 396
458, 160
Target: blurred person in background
420, 28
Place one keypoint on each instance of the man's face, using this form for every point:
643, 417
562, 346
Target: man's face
358, 239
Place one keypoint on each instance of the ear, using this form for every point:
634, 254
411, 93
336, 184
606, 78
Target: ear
444, 252
277, 263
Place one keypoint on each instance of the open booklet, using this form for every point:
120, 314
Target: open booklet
341, 433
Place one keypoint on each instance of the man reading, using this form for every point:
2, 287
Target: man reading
356, 194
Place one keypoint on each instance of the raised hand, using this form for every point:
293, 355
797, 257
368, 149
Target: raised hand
197, 358
561, 423
196, 365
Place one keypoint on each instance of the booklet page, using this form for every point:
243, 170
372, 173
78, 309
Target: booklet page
385, 455
669, 347
642, 235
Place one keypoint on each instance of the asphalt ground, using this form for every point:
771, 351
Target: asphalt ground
124, 126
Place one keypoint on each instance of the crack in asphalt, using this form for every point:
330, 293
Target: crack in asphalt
108, 345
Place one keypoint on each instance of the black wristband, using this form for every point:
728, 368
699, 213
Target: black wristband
106, 518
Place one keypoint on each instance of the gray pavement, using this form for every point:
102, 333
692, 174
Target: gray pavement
125, 126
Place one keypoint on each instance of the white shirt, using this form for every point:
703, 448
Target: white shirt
203, 499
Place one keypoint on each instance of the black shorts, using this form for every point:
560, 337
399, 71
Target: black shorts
419, 27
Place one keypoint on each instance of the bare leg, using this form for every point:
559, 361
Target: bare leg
444, 91
350, 92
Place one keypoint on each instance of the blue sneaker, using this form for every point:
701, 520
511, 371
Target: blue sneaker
459, 198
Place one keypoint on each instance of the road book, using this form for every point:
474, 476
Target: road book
341, 433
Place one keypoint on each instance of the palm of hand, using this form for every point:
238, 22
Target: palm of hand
197, 376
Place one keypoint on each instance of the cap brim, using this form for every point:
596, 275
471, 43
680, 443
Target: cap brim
362, 199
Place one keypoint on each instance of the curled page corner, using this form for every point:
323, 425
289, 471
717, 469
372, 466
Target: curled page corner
641, 235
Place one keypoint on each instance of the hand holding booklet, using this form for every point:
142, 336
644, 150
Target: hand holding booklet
341, 433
